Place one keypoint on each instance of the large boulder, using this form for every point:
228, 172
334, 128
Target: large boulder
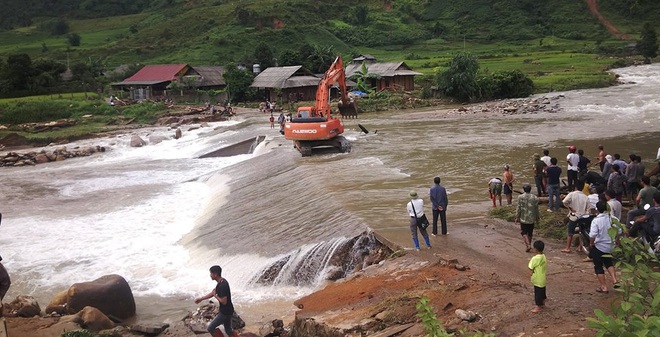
110, 293
90, 318
57, 304
25, 306
136, 141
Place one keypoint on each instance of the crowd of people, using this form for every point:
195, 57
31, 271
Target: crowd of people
594, 198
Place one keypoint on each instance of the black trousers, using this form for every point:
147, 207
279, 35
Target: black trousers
572, 179
443, 221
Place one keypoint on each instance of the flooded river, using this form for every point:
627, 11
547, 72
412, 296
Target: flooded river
160, 216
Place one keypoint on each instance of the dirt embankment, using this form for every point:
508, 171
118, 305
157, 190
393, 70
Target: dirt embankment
495, 286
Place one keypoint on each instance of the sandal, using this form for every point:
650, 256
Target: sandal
528, 250
616, 285
600, 290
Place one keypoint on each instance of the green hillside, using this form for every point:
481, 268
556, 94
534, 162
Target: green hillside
557, 43
219, 31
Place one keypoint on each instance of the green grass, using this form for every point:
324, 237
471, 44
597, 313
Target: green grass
74, 96
98, 115
547, 227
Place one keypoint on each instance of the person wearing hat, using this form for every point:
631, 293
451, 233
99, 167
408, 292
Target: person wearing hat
539, 170
415, 210
607, 167
507, 178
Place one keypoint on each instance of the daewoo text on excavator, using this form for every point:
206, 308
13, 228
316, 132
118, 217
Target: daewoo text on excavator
314, 126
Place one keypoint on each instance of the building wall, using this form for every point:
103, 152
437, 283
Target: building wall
396, 83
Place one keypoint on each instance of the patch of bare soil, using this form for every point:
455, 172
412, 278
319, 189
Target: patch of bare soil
593, 8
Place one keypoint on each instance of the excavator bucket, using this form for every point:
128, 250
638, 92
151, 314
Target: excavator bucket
349, 110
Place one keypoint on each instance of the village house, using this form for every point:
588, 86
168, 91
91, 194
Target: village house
290, 84
166, 80
388, 75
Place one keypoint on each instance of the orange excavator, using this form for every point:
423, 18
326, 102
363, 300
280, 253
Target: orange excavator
314, 126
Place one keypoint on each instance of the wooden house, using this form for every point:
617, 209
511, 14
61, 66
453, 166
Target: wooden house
391, 75
156, 81
292, 83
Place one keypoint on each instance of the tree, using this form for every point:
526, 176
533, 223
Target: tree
319, 58
459, 80
74, 40
18, 72
362, 15
238, 82
363, 78
647, 46
264, 55
55, 27
511, 84
289, 58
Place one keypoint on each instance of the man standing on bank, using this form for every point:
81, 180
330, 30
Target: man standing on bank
222, 293
527, 215
439, 203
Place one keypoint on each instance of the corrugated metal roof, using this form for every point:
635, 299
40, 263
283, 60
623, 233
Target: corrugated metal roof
211, 75
157, 72
139, 82
385, 69
277, 77
364, 57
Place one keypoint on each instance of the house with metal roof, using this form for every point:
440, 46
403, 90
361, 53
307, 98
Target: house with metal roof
388, 75
292, 83
154, 81
364, 58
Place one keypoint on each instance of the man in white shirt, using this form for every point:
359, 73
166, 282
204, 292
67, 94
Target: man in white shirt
546, 159
615, 205
572, 172
578, 204
600, 244
415, 210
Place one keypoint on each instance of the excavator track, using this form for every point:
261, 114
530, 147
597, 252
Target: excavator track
304, 148
344, 145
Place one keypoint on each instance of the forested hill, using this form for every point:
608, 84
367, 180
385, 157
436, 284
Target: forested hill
218, 31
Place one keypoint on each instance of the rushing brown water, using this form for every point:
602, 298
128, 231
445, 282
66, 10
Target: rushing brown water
160, 216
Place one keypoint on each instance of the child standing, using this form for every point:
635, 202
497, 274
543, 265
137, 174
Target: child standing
538, 267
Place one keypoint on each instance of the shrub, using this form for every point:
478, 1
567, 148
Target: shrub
74, 40
431, 323
637, 312
459, 81
55, 27
511, 84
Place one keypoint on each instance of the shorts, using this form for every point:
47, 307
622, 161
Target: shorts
526, 229
508, 189
600, 261
496, 188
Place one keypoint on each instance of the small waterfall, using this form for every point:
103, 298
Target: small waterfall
330, 260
